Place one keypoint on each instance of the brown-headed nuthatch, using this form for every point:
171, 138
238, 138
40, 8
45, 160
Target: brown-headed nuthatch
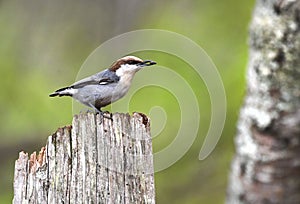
105, 87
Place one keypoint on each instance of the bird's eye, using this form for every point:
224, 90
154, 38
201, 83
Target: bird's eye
132, 62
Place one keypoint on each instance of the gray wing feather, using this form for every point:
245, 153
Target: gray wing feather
102, 78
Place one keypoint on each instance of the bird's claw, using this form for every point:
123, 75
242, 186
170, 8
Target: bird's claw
104, 114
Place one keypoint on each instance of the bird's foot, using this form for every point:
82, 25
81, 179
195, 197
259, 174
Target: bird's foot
104, 114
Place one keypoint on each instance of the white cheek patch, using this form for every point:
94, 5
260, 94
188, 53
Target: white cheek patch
126, 69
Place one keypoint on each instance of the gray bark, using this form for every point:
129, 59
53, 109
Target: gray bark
266, 168
95, 160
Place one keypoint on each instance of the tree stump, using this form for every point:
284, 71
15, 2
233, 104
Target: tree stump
96, 160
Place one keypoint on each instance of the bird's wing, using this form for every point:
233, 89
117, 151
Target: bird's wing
105, 81
102, 78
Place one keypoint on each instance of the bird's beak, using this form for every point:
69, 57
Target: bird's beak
147, 63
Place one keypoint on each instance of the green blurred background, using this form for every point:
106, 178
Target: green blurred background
44, 43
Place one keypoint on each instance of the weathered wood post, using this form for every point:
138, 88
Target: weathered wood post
96, 160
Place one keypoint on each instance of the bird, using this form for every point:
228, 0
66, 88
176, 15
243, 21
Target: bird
107, 86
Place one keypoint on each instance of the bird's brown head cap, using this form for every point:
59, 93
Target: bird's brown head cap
131, 60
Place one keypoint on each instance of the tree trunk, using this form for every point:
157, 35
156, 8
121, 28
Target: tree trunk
96, 160
266, 168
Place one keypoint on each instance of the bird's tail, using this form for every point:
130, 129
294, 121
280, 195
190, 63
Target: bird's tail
66, 91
